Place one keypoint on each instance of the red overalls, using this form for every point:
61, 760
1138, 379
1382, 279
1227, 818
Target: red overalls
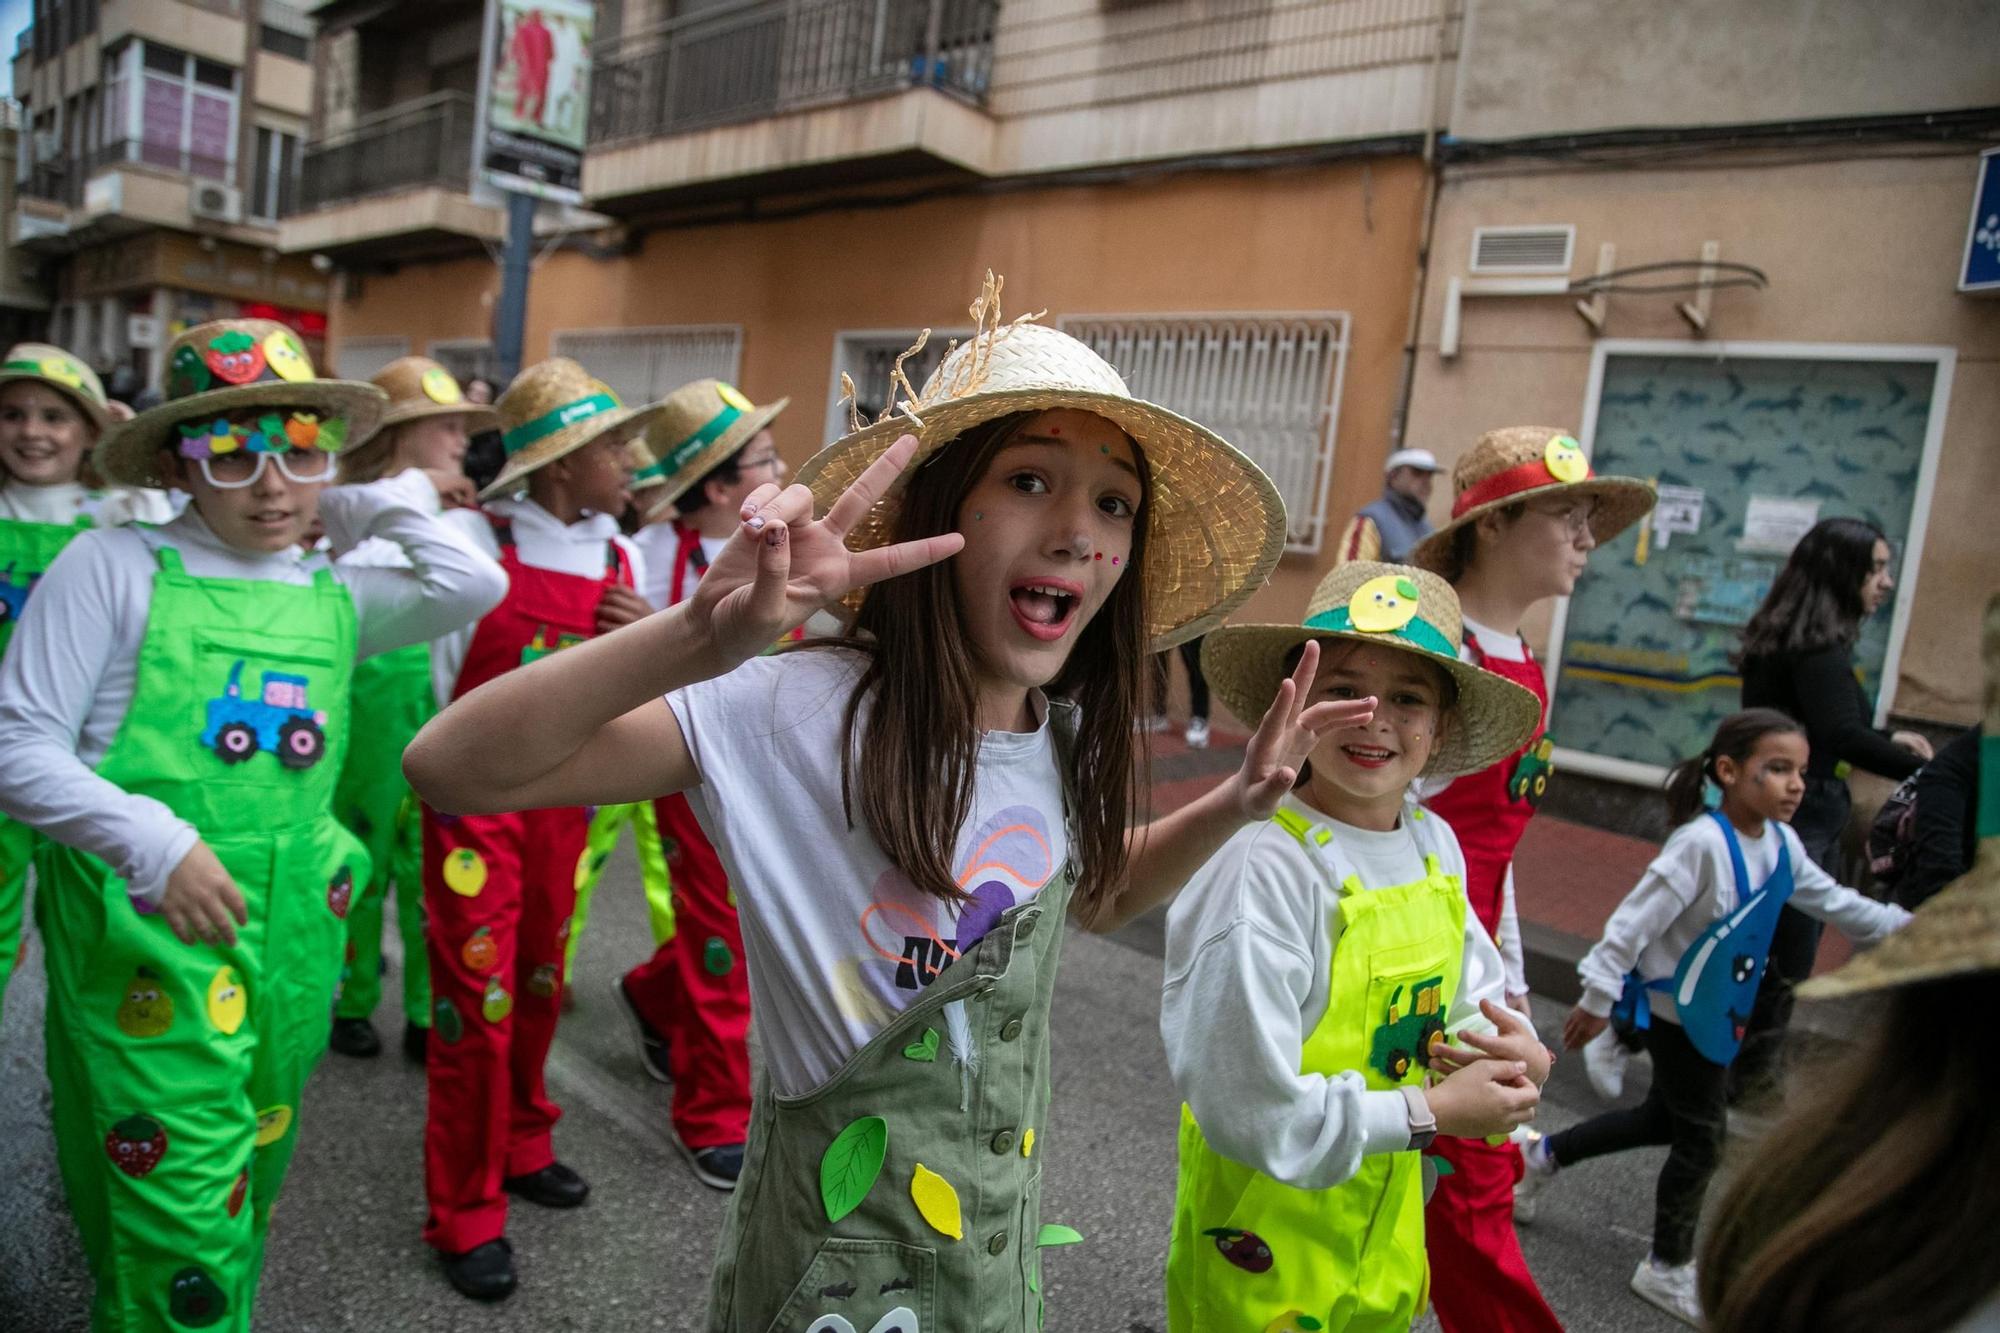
499, 890
693, 990
1480, 1281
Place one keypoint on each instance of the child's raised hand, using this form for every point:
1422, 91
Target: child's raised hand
620, 606
1580, 1027
782, 564
1483, 1099
1513, 1041
201, 902
1287, 735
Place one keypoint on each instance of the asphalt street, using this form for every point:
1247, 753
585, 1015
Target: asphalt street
345, 1255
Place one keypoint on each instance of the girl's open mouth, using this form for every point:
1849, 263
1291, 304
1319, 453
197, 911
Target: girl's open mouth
1045, 607
1367, 756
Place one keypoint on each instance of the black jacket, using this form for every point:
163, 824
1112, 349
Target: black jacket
1946, 822
1819, 689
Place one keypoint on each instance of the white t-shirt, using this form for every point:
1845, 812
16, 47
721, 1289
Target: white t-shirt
838, 941
1691, 883
68, 501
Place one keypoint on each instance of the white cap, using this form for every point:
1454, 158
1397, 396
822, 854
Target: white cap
1423, 460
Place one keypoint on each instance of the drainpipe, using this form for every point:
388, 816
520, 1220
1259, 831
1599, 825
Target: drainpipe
1401, 417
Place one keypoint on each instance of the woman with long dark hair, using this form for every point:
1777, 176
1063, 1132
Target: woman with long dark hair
1798, 657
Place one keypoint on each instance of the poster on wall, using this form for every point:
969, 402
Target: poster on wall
1749, 453
534, 110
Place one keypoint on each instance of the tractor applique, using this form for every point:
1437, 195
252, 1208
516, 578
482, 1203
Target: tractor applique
14, 596
1532, 772
540, 647
281, 721
1406, 1034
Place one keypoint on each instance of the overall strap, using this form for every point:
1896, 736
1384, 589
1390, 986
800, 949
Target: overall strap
614, 562
1736, 862
1317, 839
323, 578
503, 528
169, 559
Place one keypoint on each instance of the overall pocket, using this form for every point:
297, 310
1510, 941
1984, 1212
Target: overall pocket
259, 710
860, 1286
1405, 1011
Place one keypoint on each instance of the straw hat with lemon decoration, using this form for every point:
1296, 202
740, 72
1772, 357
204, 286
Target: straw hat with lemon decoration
419, 387
45, 363
1390, 606
552, 409
701, 426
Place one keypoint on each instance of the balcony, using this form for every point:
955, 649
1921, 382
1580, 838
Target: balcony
117, 189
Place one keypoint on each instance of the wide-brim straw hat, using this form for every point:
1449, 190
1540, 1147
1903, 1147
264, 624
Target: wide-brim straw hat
700, 427
638, 458
1215, 525
419, 387
216, 368
1389, 606
1957, 931
45, 363
551, 410
1517, 463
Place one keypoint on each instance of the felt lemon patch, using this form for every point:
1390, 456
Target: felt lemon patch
1565, 459
729, 394
62, 370
226, 1004
937, 1202
286, 358
440, 387
1383, 604
465, 872
272, 1122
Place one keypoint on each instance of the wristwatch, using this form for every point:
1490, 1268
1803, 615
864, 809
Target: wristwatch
1423, 1124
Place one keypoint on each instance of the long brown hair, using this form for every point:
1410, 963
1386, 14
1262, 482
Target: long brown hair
917, 757
1874, 1202
373, 457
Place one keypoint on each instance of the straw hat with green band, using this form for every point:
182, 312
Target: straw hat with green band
419, 387
701, 426
1391, 606
45, 363
1957, 931
219, 368
552, 409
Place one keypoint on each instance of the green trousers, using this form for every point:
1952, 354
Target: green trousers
653, 874
17, 845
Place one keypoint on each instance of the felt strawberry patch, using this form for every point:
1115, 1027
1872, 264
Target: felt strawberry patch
136, 1144
235, 357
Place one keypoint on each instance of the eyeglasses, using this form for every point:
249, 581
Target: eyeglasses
752, 464
233, 471
1575, 518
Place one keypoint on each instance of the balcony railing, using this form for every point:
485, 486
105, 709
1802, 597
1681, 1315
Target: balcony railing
425, 142
63, 181
761, 57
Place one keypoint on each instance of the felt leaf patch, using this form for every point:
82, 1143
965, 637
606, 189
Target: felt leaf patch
848, 1168
1027, 1143
925, 1050
937, 1202
1055, 1233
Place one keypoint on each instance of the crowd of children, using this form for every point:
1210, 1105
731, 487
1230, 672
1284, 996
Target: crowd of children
224, 584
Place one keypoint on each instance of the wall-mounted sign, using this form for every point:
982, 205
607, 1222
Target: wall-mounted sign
534, 108
1980, 271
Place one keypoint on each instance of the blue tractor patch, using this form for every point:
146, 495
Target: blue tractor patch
281, 721
13, 596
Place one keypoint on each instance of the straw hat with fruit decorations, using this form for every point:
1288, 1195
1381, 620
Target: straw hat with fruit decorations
419, 387
1393, 606
701, 426
1517, 463
1214, 523
219, 368
45, 363
1957, 931
551, 410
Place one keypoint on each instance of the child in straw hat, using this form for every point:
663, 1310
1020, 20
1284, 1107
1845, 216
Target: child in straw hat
1682, 956
426, 426
1317, 966
1527, 511
901, 977
52, 408
498, 888
174, 719
1874, 1201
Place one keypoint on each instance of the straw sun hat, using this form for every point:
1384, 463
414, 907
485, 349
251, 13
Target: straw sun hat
700, 427
1391, 606
1517, 463
419, 387
1215, 525
551, 410
47, 364
1958, 930
221, 367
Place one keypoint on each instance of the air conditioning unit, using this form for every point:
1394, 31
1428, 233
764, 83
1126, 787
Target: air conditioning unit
216, 203
1532, 249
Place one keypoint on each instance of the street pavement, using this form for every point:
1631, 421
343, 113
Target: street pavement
345, 1255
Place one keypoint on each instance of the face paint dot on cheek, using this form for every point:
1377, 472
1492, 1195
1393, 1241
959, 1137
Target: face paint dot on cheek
1114, 559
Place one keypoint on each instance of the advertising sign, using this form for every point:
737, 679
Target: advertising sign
535, 100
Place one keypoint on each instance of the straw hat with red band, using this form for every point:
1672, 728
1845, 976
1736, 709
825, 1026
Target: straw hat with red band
1518, 463
419, 387
552, 409
701, 426
45, 363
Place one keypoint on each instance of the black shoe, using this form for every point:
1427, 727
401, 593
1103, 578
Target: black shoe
717, 1167
484, 1272
416, 1042
554, 1186
652, 1046
355, 1037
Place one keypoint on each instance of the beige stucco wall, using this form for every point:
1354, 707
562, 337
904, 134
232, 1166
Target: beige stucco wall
1857, 252
1627, 63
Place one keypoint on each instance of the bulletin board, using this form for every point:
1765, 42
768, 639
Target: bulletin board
1748, 447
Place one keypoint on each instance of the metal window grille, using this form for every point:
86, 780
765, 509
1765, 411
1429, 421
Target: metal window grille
868, 357
466, 358
360, 358
643, 365
1267, 383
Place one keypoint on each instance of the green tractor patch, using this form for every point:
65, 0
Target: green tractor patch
1405, 1037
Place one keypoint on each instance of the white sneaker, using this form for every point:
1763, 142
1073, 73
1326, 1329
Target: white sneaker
1604, 1060
1671, 1287
1197, 733
1540, 1167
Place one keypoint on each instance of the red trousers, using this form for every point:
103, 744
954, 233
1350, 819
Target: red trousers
1480, 1281
694, 992
499, 890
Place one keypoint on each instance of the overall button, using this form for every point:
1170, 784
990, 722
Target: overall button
998, 1245
1026, 928
1011, 1030
1003, 1142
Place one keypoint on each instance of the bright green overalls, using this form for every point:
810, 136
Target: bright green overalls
1250, 1253
26, 552
377, 806
176, 1068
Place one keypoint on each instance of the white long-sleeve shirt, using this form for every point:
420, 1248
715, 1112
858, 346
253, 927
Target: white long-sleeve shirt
541, 541
72, 666
1691, 883
1249, 970
65, 502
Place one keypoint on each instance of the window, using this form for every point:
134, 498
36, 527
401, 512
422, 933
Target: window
1267, 383
360, 358
642, 365
281, 43
867, 357
465, 358
274, 188
186, 113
